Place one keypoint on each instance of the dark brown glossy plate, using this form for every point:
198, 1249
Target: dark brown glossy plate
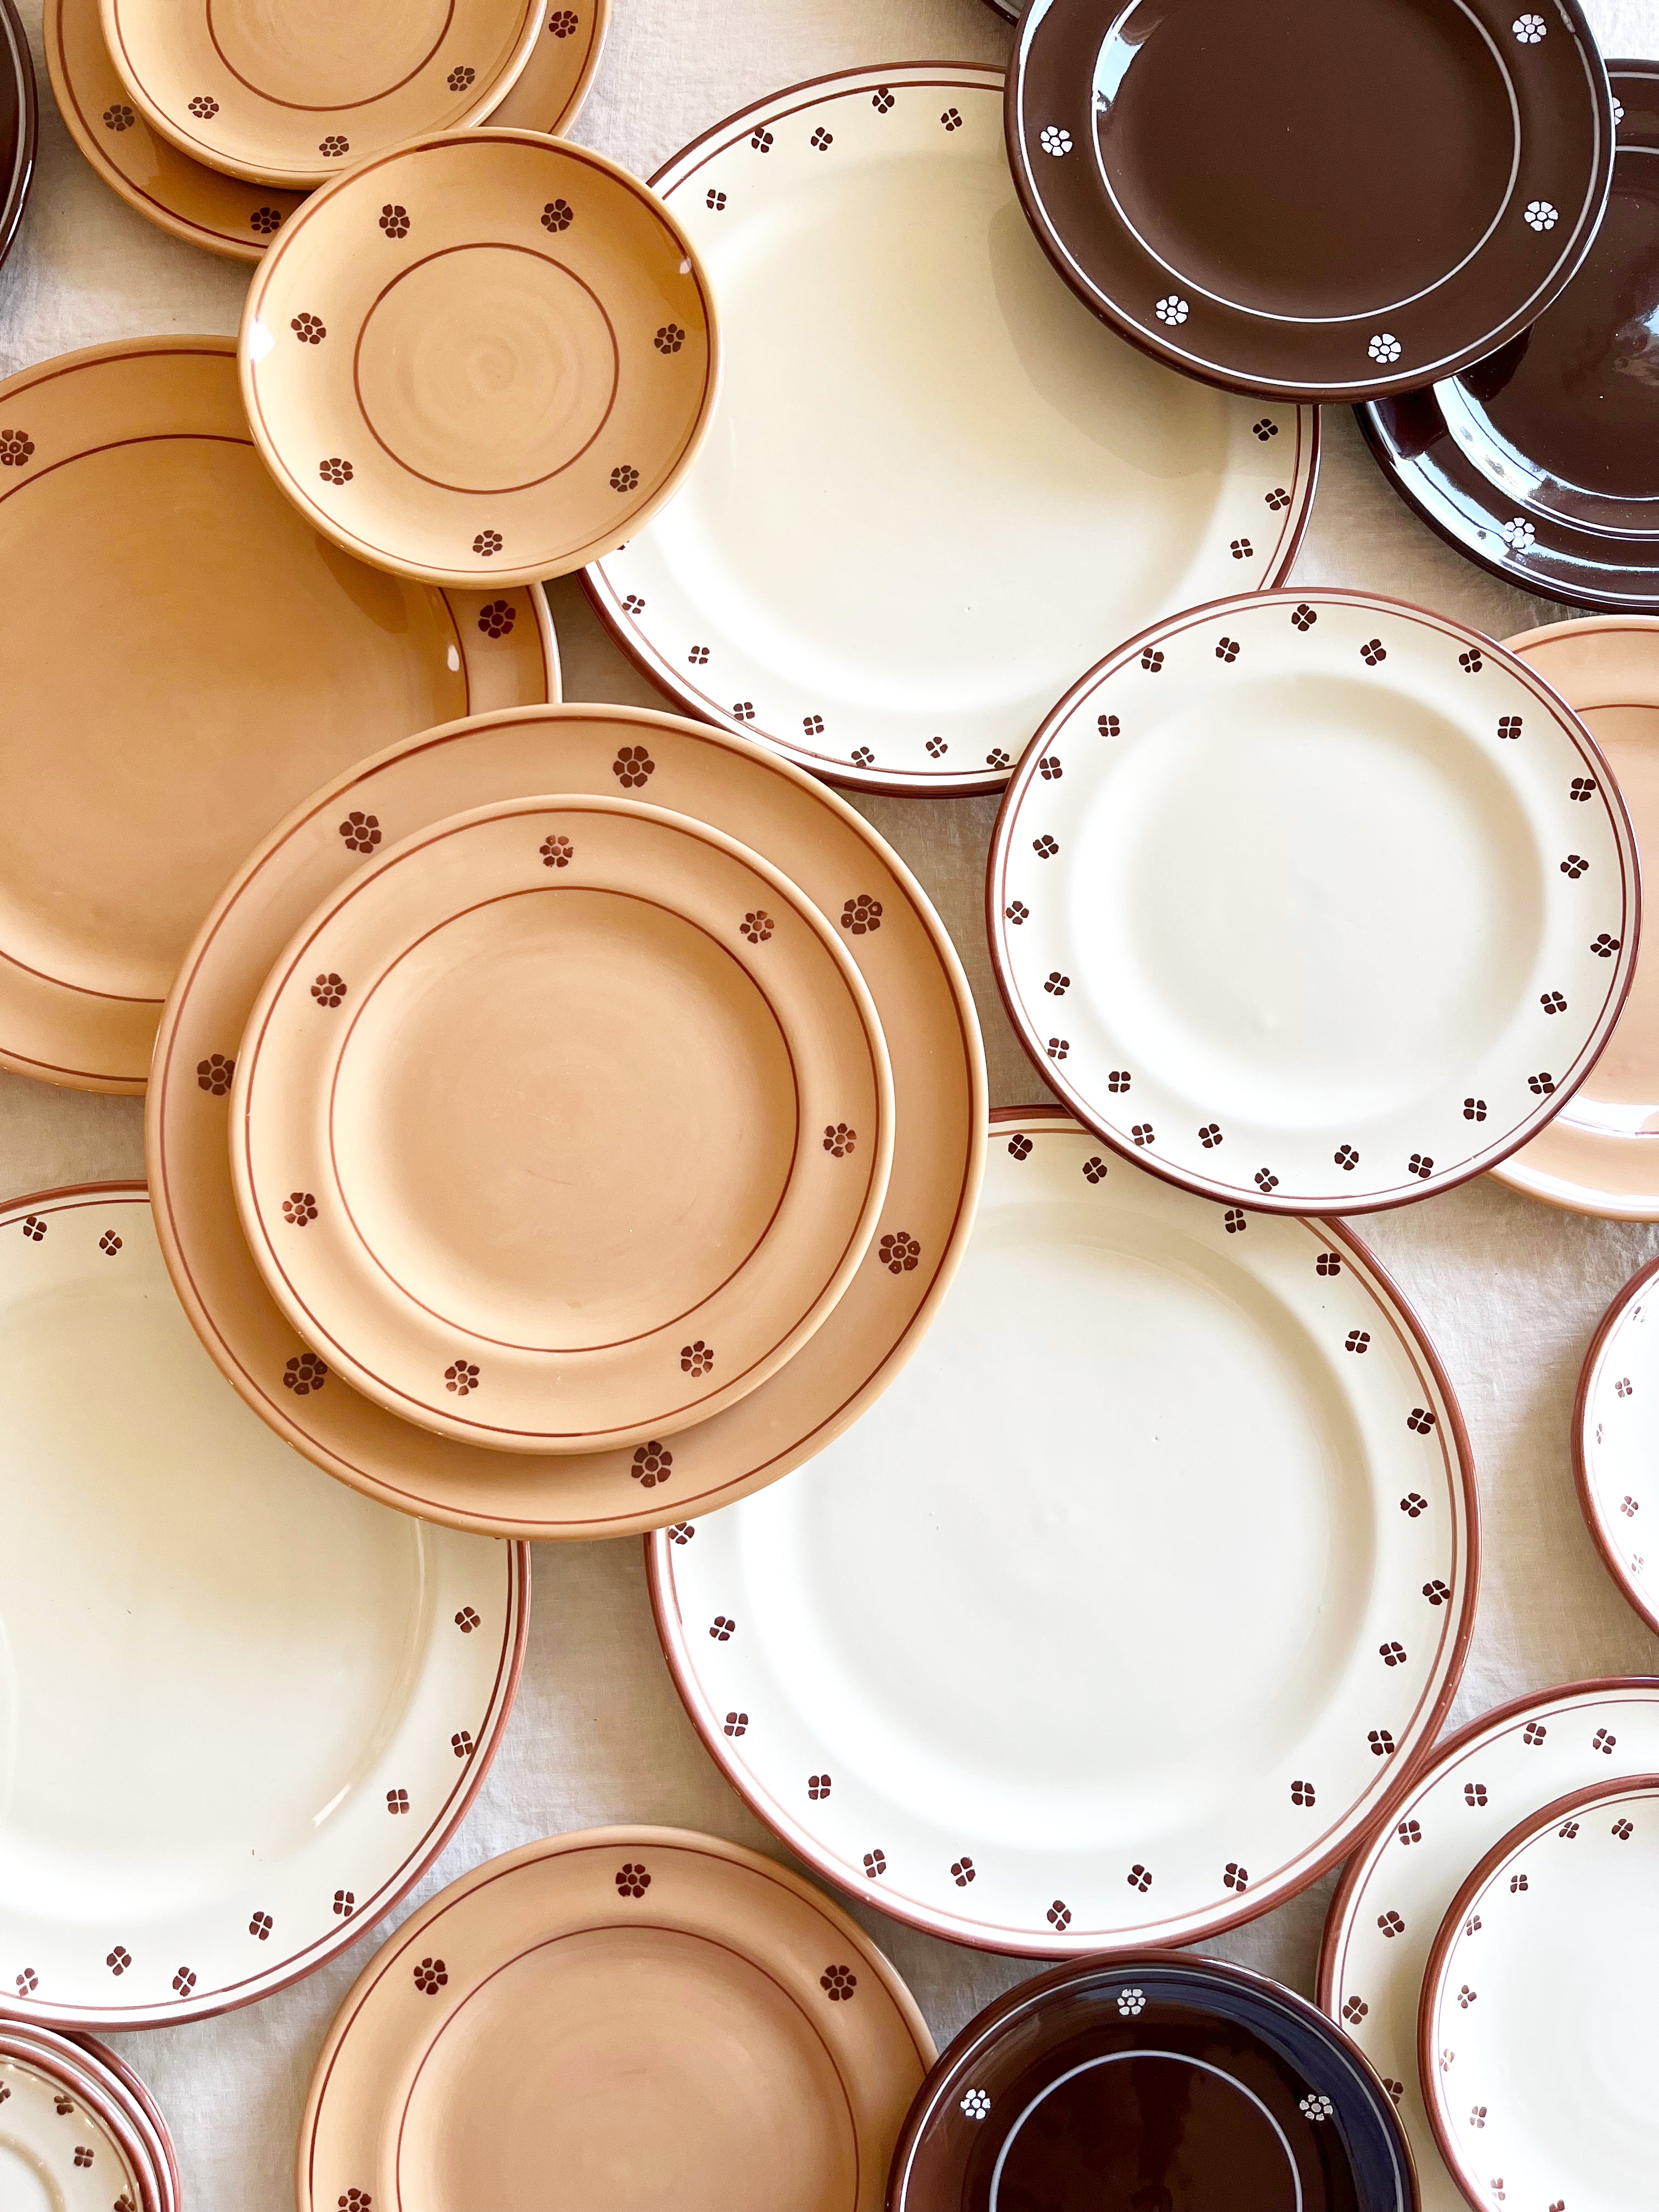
1155, 2082
17, 123
1315, 199
1541, 462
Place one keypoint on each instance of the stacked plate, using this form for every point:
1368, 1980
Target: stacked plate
79, 2132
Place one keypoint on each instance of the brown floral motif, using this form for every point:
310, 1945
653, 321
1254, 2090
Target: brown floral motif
1421, 1165
698, 656
758, 927
460, 79
863, 758
1357, 1339
1419, 1420
119, 1960
839, 1140
333, 146
1373, 651
1574, 866
1019, 1147
1471, 662
1604, 1741
1303, 616
875, 1863
632, 767
899, 1253
1045, 846
1303, 1793
881, 100
310, 329
119, 118
487, 544
394, 219
1381, 1742
714, 202
632, 1879
1059, 1915
1477, 2116
397, 1800
1058, 1047
952, 118
633, 604
937, 748
15, 448
1277, 499
1630, 1507
761, 141
1553, 1003
1236, 1877
1582, 787
83, 2155
1118, 1080
1604, 946
812, 725
1346, 1158
1437, 1592
1266, 428
1140, 1878
557, 852
27, 1982
467, 1620
1475, 1794
670, 339
744, 710
1240, 549
1474, 1110
430, 1976
1509, 726
215, 1074
1143, 1133
653, 1463
735, 1723
821, 141
721, 1627
1465, 1997
328, 989
1392, 1654
461, 1375
1329, 1263
696, 1359
1227, 650
305, 1373
461, 1743
33, 1228
561, 24
300, 1209
264, 220
625, 479
861, 916
1094, 1169
1018, 913
962, 1871
817, 1787
204, 107
1233, 1220
1541, 1084
63, 2105
345, 1904
838, 1983
1409, 1832
998, 758
1355, 2010
1056, 983
1413, 1505
1623, 1831
1108, 726
334, 470
360, 832
1265, 1180
1568, 1830
558, 215
359, 2200
260, 1926
184, 1982
497, 618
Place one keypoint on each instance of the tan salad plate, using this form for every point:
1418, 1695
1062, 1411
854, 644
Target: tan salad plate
286, 94
185, 659
562, 1124
486, 355
926, 1015
665, 2022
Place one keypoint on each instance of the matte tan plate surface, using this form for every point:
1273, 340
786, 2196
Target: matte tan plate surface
664, 2021
562, 1125
184, 659
939, 1081
485, 355
230, 214
285, 94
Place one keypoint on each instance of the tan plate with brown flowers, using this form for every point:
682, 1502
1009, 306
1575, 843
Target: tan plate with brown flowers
287, 95
185, 659
665, 2022
927, 1016
485, 355
229, 214
562, 1124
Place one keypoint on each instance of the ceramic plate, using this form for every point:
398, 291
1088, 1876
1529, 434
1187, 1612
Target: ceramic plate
1538, 2041
871, 567
106, 2061
486, 356
212, 662
286, 95
667, 2022
1318, 903
1147, 2080
1613, 1441
227, 214
1538, 462
622, 1234
1397, 1890
1598, 1156
17, 123
1330, 200
89, 2075
957, 1714
938, 1085
63, 2146
322, 1685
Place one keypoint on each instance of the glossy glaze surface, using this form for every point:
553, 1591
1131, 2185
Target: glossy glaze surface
18, 122
1615, 1449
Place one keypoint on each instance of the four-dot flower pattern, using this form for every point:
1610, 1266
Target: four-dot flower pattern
1509, 726
881, 100
818, 1787
33, 1228
558, 215
397, 1802
1303, 1793
875, 1864
952, 118
838, 1983
1019, 1147
260, 1926
962, 1871
735, 1723
467, 1620
1235, 1876
821, 141
632, 1879
1059, 1915
721, 1627
1581, 788
119, 1960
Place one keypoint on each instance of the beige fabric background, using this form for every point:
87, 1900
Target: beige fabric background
1512, 1290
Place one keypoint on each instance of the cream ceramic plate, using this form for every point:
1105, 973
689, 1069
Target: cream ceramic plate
1317, 903
1600, 1154
214, 660
91, 2078
1144, 1410
876, 565
229, 215
664, 2021
561, 1125
1615, 1442
1538, 2036
485, 356
287, 95
321, 1684
1395, 1892
938, 1083
62, 2148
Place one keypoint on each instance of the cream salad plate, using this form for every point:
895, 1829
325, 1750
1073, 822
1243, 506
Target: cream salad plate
1198, 1607
935, 486
1316, 902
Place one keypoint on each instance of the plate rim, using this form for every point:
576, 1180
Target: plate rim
74, 2071
15, 197
1588, 1503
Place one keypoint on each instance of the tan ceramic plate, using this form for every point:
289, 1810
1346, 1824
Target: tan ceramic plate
1600, 1153
211, 660
665, 2021
286, 93
561, 1125
486, 355
939, 1085
229, 214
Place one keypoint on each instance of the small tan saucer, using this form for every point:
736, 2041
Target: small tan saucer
229, 214
286, 94
486, 356
562, 1124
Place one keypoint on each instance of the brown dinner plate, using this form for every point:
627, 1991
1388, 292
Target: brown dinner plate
1315, 199
185, 659
18, 121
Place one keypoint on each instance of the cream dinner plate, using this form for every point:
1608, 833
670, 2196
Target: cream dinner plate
561, 1125
487, 355
648, 2019
214, 660
1397, 1890
322, 1685
1197, 1607
1538, 2036
1615, 1442
935, 486
927, 1018
1317, 903
287, 95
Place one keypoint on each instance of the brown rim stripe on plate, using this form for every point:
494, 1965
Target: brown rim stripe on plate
1590, 1504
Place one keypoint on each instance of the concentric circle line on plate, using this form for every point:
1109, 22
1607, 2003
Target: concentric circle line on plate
1590, 1380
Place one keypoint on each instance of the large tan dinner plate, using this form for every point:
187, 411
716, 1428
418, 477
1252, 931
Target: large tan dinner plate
485, 355
927, 1016
185, 659
286, 94
623, 2019
562, 1124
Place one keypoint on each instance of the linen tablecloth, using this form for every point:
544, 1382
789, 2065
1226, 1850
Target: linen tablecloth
1510, 1290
